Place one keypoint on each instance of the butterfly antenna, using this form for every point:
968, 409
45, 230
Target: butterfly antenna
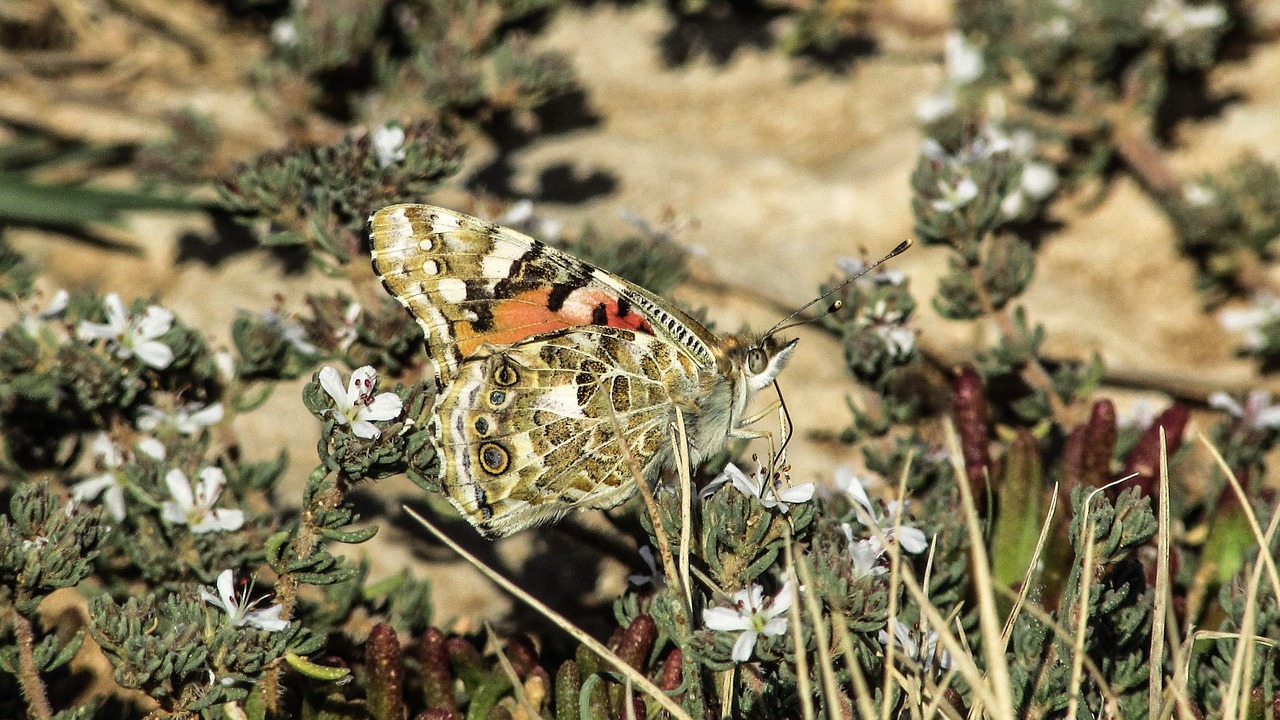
783, 323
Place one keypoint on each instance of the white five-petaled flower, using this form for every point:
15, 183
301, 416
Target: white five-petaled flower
388, 143
356, 405
195, 506
187, 419
765, 489
911, 539
904, 637
32, 319
132, 335
1264, 310
109, 484
240, 609
752, 616
1257, 412
1176, 18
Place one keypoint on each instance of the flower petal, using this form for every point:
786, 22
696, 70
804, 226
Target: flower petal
114, 499
155, 321
365, 429
331, 381
744, 646
726, 619
362, 378
226, 589
911, 539
180, 488
153, 353
173, 512
93, 487
267, 618
386, 406
229, 520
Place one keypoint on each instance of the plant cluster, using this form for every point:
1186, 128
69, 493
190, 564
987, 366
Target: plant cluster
1018, 555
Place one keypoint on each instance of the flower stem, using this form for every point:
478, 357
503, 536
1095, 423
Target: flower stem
28, 676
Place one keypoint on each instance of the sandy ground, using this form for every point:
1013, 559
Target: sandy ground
776, 168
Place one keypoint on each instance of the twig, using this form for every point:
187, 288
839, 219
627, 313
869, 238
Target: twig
28, 676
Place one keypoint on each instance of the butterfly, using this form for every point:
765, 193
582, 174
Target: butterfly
547, 367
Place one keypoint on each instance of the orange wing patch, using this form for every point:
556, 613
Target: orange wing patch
528, 313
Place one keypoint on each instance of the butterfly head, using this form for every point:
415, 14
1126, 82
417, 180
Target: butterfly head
760, 358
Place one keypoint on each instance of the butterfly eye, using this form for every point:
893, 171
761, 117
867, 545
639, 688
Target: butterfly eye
756, 361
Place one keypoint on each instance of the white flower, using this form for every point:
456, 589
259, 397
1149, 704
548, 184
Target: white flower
766, 490
1257, 411
292, 332
937, 106
226, 365
1264, 311
1176, 18
284, 33
240, 609
1039, 180
195, 507
655, 575
910, 538
864, 553
388, 143
752, 616
1197, 195
108, 484
132, 336
903, 635
356, 405
963, 61
347, 333
954, 197
187, 419
886, 321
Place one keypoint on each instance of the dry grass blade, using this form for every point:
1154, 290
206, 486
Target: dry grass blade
636, 677
988, 616
1155, 686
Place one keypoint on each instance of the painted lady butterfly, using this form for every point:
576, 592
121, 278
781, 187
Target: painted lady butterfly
536, 352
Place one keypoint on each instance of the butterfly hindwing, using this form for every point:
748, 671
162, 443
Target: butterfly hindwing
527, 432
473, 284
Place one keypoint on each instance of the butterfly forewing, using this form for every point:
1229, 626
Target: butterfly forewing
472, 284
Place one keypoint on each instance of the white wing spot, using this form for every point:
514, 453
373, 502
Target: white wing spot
431, 267
495, 266
425, 243
452, 290
561, 400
